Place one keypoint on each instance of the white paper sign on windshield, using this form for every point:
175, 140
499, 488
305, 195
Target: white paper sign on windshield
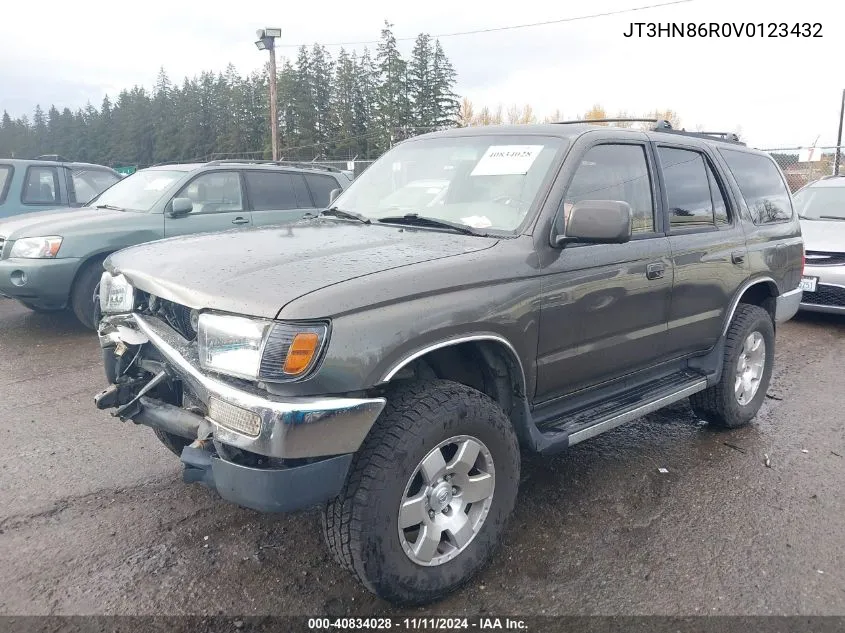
159, 184
504, 160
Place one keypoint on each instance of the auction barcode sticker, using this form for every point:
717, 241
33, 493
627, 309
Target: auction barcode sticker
502, 160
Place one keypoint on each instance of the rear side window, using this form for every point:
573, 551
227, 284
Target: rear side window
321, 187
720, 208
6, 172
270, 190
41, 186
761, 185
687, 188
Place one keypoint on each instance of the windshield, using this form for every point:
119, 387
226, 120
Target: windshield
138, 192
87, 183
826, 203
486, 182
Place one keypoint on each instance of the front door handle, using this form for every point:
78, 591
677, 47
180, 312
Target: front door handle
240, 220
738, 257
655, 270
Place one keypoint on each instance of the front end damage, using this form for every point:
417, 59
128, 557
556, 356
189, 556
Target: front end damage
256, 450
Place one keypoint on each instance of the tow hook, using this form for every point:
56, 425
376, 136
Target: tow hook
112, 396
131, 406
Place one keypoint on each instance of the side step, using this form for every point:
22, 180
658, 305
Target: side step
583, 422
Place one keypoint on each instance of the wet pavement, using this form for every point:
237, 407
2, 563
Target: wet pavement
95, 519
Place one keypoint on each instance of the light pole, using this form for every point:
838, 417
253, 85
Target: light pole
266, 42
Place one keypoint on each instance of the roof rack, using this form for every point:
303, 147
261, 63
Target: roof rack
53, 157
659, 124
662, 125
286, 163
726, 137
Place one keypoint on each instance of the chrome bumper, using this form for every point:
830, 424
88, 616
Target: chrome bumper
289, 428
787, 304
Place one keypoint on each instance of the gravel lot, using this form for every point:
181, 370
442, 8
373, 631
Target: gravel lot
94, 517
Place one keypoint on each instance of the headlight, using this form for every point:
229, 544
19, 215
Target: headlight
36, 247
116, 294
257, 349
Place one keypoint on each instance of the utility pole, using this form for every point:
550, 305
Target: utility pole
267, 41
839, 137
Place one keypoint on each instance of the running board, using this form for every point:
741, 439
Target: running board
583, 422
628, 416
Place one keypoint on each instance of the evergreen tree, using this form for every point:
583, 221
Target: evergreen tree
354, 106
304, 109
321, 90
420, 85
445, 102
343, 106
391, 93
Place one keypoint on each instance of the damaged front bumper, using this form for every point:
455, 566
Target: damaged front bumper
256, 450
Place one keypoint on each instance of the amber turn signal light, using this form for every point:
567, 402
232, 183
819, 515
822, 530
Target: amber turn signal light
301, 353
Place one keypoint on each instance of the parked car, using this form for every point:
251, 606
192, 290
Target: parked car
49, 182
821, 208
52, 260
388, 363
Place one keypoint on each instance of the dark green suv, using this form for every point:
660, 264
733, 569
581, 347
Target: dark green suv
54, 259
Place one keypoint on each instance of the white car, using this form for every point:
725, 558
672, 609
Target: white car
821, 208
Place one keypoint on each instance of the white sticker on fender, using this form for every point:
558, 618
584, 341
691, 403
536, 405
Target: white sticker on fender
501, 160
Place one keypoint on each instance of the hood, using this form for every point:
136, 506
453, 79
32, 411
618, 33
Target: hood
823, 235
62, 222
256, 272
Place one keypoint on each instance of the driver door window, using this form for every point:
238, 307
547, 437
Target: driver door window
614, 172
218, 204
215, 192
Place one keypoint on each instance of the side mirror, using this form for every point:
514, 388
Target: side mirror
180, 207
334, 194
598, 222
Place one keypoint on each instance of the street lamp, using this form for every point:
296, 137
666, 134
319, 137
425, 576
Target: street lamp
266, 42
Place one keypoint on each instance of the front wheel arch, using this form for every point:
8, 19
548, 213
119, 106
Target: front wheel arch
485, 362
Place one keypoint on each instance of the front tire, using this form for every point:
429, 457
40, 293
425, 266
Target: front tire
428, 494
83, 294
746, 371
40, 310
174, 443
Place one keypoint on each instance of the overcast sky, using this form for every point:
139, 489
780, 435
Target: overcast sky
780, 92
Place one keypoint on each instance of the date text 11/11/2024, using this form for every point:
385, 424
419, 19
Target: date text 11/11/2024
724, 29
418, 624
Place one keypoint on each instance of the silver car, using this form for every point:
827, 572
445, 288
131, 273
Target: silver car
821, 208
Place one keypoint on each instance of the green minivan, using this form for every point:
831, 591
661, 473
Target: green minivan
52, 260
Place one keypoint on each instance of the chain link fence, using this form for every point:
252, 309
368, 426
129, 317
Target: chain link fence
803, 165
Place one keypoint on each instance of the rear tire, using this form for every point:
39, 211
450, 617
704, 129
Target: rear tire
735, 400
362, 526
82, 295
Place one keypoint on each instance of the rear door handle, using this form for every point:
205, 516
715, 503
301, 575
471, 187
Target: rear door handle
738, 257
655, 270
240, 220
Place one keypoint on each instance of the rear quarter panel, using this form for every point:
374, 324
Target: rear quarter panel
774, 250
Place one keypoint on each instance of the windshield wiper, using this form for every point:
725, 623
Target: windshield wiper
110, 207
415, 219
831, 217
348, 215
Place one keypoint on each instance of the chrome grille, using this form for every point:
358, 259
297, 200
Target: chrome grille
2, 245
823, 258
825, 296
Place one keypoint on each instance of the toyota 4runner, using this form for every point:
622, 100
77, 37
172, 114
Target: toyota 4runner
475, 291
